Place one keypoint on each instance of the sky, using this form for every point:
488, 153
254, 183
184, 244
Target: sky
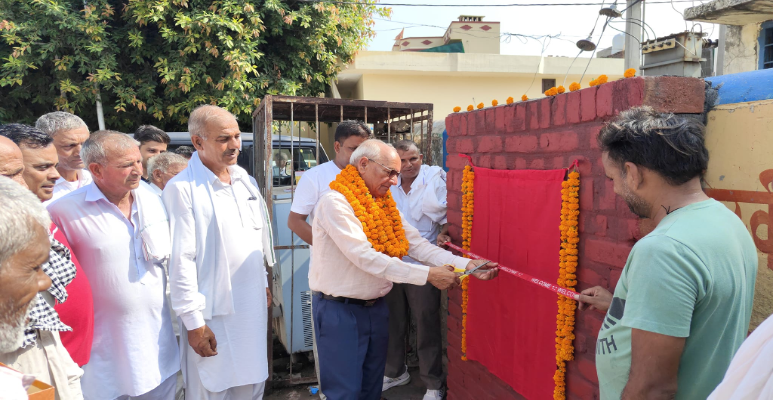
567, 24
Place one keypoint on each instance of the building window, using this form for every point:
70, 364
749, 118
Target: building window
547, 84
766, 45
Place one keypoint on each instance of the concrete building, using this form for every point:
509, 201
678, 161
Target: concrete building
746, 36
416, 71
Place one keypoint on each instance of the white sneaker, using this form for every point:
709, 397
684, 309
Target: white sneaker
399, 381
435, 394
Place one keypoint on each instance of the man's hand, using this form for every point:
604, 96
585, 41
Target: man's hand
442, 277
442, 239
595, 298
269, 298
203, 341
487, 272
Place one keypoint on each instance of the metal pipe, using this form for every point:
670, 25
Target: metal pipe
412, 126
389, 125
292, 238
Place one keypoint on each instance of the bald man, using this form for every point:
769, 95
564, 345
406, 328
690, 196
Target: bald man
216, 271
11, 161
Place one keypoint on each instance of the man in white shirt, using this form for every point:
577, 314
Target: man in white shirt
221, 236
316, 182
119, 233
162, 168
69, 133
24, 226
420, 194
349, 277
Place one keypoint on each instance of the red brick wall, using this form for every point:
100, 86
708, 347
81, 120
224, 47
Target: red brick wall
550, 133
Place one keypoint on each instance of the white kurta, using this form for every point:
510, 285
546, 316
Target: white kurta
134, 349
425, 205
62, 187
241, 336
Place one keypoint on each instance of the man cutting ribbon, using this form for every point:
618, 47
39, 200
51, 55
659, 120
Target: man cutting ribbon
359, 240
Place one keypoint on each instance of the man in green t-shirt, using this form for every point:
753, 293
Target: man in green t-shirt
682, 306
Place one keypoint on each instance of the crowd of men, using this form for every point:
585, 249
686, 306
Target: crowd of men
123, 265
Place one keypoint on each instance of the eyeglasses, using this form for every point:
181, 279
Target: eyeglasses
392, 173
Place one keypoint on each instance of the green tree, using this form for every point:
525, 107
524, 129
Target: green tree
153, 61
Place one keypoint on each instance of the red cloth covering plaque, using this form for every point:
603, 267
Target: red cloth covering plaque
511, 323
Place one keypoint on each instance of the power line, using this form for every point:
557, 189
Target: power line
479, 5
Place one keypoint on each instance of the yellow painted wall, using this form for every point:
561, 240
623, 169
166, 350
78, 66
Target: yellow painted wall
739, 138
446, 92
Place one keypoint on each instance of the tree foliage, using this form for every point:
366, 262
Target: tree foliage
153, 61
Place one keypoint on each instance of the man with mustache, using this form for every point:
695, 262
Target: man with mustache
119, 232
63, 315
682, 306
349, 274
420, 194
24, 249
69, 132
221, 236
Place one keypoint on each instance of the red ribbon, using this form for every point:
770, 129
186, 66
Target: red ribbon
554, 288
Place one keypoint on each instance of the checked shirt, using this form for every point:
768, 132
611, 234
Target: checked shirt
61, 270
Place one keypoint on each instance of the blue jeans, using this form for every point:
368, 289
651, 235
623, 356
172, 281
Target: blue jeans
352, 343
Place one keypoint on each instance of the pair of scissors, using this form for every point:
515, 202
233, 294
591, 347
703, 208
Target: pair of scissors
466, 272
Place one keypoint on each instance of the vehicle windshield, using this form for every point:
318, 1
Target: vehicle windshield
304, 158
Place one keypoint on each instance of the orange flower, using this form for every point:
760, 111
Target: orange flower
593, 83
494, 102
602, 79
470, 107
510, 100
560, 89
574, 87
551, 92
480, 105
567, 278
457, 109
524, 98
630, 73
376, 214
468, 205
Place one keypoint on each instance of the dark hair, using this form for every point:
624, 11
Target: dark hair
671, 145
149, 133
185, 151
26, 136
405, 145
350, 128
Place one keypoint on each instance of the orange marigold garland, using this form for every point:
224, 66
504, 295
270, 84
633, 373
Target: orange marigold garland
468, 183
570, 212
574, 87
457, 109
630, 73
510, 100
379, 216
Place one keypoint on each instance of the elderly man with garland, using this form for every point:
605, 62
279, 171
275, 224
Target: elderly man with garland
420, 195
359, 240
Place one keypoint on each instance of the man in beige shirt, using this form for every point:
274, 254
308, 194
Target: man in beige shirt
349, 279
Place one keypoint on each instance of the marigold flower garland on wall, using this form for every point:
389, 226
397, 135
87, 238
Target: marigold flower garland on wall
570, 212
380, 218
468, 201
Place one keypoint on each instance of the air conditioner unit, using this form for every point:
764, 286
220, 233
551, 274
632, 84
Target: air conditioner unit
292, 316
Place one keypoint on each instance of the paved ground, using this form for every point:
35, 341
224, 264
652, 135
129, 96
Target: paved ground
412, 391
